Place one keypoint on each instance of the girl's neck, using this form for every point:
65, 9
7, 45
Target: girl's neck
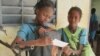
72, 29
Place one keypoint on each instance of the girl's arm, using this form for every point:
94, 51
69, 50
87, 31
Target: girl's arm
79, 51
38, 42
54, 51
41, 41
67, 51
82, 41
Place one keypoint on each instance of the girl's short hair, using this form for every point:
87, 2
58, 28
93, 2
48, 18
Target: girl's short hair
76, 9
44, 3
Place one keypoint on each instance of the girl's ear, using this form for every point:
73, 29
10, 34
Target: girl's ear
68, 17
80, 20
36, 11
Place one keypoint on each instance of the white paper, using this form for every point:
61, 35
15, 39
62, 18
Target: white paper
59, 43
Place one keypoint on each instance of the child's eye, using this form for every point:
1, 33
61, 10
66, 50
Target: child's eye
75, 17
71, 17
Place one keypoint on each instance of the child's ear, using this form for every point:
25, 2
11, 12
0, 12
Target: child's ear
36, 11
67, 16
79, 19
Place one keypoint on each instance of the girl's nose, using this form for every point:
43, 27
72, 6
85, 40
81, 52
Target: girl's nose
47, 19
73, 19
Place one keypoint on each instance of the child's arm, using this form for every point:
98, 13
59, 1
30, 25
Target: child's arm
38, 42
67, 51
80, 48
79, 51
83, 41
54, 51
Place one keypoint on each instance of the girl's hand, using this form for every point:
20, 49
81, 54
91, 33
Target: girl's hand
22, 44
67, 51
41, 30
44, 41
54, 51
77, 52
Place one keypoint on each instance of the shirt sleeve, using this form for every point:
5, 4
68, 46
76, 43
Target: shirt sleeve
23, 31
84, 37
95, 17
63, 36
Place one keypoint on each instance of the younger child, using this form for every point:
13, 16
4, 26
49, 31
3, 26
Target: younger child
76, 36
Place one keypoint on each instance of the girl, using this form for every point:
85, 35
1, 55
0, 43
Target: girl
28, 34
76, 36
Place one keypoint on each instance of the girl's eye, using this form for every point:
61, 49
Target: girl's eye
76, 17
43, 14
71, 17
49, 18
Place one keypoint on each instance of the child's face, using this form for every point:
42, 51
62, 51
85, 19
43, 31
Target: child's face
74, 18
44, 14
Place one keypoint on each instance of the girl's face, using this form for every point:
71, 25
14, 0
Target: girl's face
74, 18
44, 14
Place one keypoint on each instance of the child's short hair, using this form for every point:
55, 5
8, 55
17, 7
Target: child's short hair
93, 10
44, 3
76, 9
